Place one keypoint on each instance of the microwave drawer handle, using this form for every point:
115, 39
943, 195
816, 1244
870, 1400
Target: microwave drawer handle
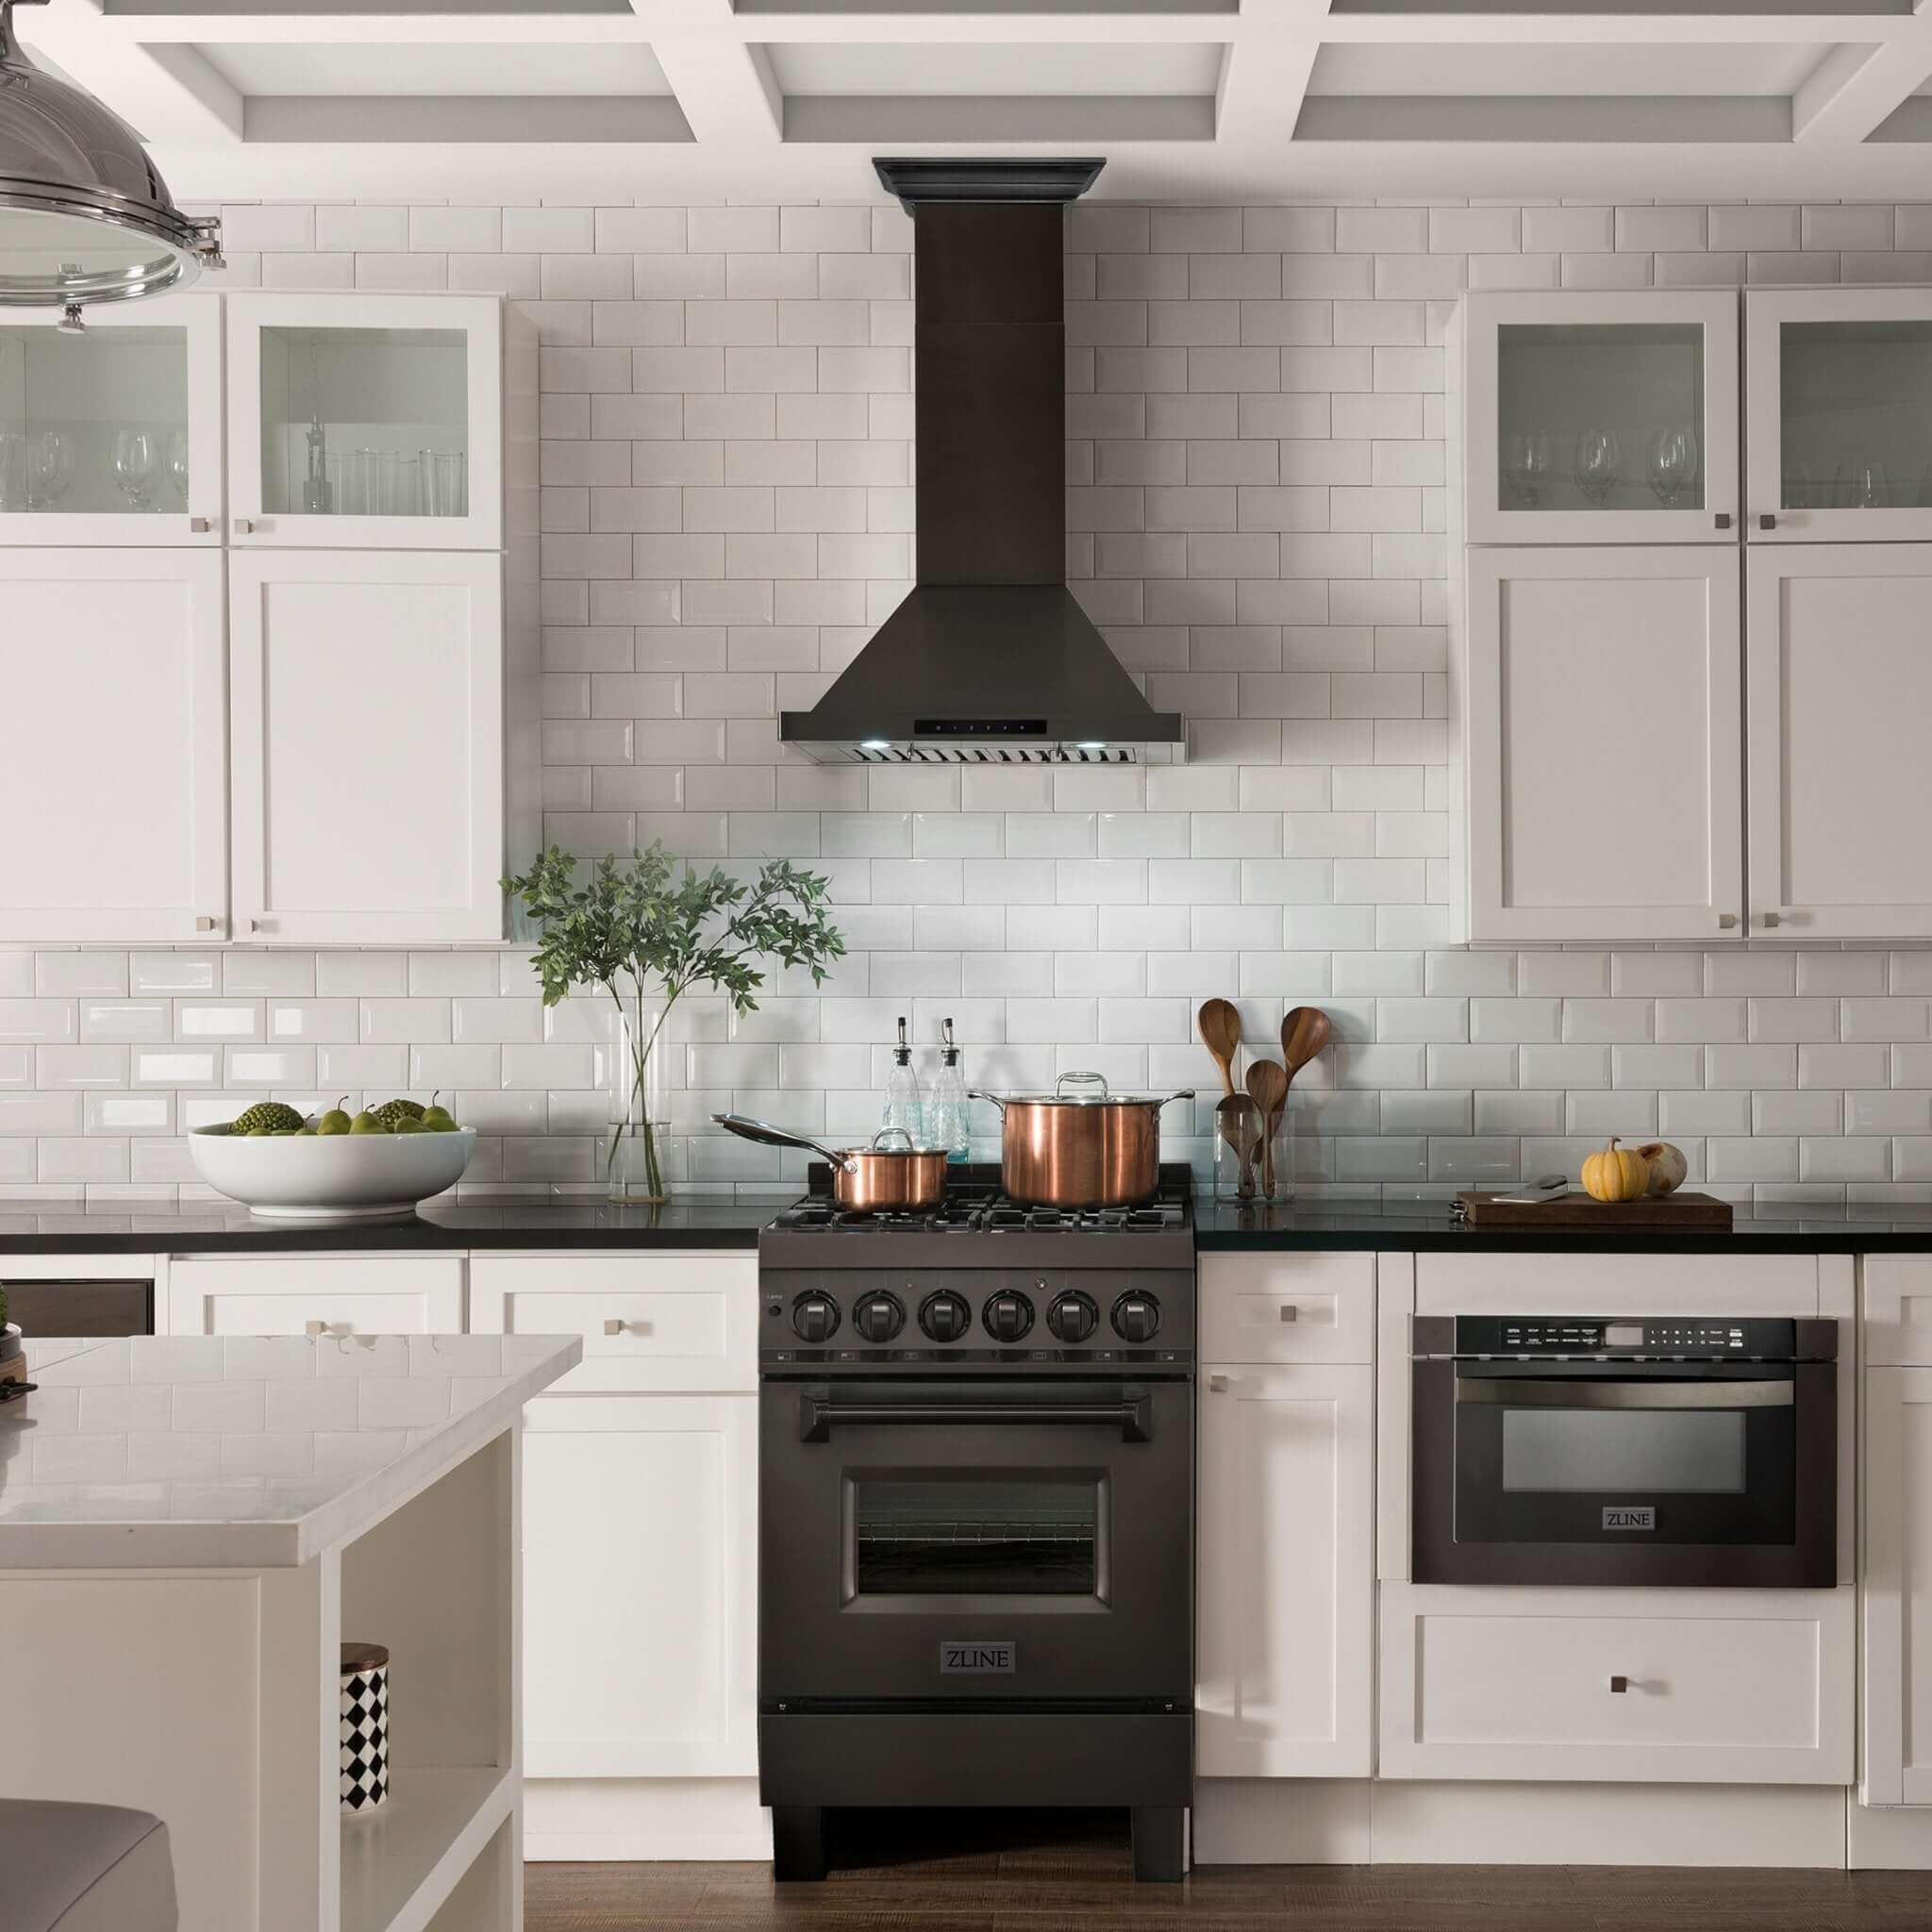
817, 1417
1506, 1393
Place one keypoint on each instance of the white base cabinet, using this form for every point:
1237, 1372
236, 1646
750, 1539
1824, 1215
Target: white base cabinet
1284, 1678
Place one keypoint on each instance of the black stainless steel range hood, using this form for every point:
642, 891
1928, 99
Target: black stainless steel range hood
990, 659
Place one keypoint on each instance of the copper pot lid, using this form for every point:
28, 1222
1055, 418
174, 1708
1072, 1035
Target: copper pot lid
1098, 1094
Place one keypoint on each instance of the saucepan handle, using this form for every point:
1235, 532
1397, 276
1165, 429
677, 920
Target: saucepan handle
975, 1093
765, 1132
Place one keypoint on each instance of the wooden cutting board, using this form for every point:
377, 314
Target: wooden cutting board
1576, 1209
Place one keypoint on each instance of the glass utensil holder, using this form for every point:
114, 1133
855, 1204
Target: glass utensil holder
1246, 1166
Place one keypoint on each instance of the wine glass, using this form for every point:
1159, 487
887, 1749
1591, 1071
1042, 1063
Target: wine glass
49, 468
1598, 457
1670, 462
177, 462
136, 460
1527, 468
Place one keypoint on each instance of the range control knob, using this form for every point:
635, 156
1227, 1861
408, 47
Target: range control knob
1007, 1317
1072, 1317
878, 1317
945, 1316
814, 1318
1137, 1318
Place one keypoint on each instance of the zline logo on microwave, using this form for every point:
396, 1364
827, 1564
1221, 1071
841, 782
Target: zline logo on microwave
975, 1659
1630, 1516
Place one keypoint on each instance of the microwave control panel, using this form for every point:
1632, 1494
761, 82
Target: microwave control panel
1650, 1337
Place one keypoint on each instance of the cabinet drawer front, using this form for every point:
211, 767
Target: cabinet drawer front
678, 1323
1287, 1308
272, 1294
1475, 1686
1573, 1284
339, 1313
1898, 1309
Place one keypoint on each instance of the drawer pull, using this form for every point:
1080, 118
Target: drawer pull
1289, 1312
614, 1326
1619, 1685
321, 1328
1217, 1385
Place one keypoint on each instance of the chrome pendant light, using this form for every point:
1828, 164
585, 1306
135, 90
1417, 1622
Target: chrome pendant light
84, 213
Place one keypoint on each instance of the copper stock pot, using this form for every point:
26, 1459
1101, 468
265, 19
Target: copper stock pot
1090, 1149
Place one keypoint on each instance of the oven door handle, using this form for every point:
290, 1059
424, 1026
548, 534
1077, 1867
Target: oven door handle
816, 1417
1506, 1392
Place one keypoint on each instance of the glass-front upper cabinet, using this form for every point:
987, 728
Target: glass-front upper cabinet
1600, 418
112, 436
1839, 414
366, 419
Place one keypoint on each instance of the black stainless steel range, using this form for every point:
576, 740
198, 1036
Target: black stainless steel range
977, 1471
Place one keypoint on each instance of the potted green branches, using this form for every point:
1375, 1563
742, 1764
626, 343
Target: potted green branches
648, 932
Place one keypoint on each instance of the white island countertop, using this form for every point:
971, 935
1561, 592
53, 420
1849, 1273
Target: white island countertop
244, 1451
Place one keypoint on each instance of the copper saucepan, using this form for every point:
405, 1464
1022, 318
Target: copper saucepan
865, 1180
1094, 1149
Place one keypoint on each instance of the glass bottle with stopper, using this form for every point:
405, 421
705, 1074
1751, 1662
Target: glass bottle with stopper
903, 1108
951, 1114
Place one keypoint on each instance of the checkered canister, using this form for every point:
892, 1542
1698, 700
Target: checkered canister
364, 1727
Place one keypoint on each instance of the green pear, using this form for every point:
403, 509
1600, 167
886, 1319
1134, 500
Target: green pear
335, 1121
366, 1122
405, 1126
307, 1132
259, 1134
438, 1119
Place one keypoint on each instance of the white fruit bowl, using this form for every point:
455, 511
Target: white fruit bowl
330, 1176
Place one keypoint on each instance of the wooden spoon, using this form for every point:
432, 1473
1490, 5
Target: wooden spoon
1221, 1034
1304, 1034
1268, 1089
1235, 1117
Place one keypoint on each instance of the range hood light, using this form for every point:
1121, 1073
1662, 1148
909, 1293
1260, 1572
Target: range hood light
84, 213
875, 744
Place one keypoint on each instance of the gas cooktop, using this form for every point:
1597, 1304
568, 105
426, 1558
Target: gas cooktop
976, 1203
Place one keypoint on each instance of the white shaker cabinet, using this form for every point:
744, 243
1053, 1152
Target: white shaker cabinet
639, 1515
1839, 695
113, 778
1838, 415
1283, 1680
368, 758
366, 419
1599, 753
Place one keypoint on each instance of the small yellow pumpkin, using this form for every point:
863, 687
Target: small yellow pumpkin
1616, 1174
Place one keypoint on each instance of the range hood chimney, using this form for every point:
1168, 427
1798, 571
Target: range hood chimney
988, 660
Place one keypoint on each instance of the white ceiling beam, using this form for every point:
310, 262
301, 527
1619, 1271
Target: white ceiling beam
726, 88
382, 30
1854, 88
1526, 30
170, 95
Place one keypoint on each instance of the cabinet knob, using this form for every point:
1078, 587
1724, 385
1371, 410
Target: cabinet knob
244, 525
1766, 522
199, 526
1770, 919
612, 1325
1619, 1685
1726, 920
1217, 1385
1289, 1312
321, 1328
1724, 520
203, 922
258, 925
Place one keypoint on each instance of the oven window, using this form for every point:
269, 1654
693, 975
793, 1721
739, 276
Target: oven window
1604, 1450
975, 1535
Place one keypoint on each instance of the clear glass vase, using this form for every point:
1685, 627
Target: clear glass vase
638, 1080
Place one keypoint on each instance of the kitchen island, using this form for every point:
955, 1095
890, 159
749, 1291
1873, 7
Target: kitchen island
190, 1526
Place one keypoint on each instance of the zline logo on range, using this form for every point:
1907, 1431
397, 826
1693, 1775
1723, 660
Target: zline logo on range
972, 1659
1631, 1516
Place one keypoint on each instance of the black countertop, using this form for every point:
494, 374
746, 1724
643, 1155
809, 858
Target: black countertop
206, 1227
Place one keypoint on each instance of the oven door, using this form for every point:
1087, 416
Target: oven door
954, 1542
1687, 1474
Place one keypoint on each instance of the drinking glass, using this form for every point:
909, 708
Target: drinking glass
445, 482
49, 468
1598, 457
14, 470
1527, 468
1671, 463
136, 460
177, 462
1869, 488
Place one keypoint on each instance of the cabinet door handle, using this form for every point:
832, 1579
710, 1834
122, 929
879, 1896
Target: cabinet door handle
198, 526
203, 922
1724, 520
258, 925
1217, 1385
1726, 920
1770, 919
1766, 522
1289, 1312
245, 525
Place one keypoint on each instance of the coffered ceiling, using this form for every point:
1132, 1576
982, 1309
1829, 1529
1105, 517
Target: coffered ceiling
673, 100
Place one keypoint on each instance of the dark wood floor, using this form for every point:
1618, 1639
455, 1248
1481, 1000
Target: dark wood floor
1069, 1872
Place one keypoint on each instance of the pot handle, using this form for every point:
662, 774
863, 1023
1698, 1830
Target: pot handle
975, 1093
892, 1134
1186, 1094
765, 1132
1065, 1077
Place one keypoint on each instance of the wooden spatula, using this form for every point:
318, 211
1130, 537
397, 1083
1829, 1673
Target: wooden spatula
1221, 1034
